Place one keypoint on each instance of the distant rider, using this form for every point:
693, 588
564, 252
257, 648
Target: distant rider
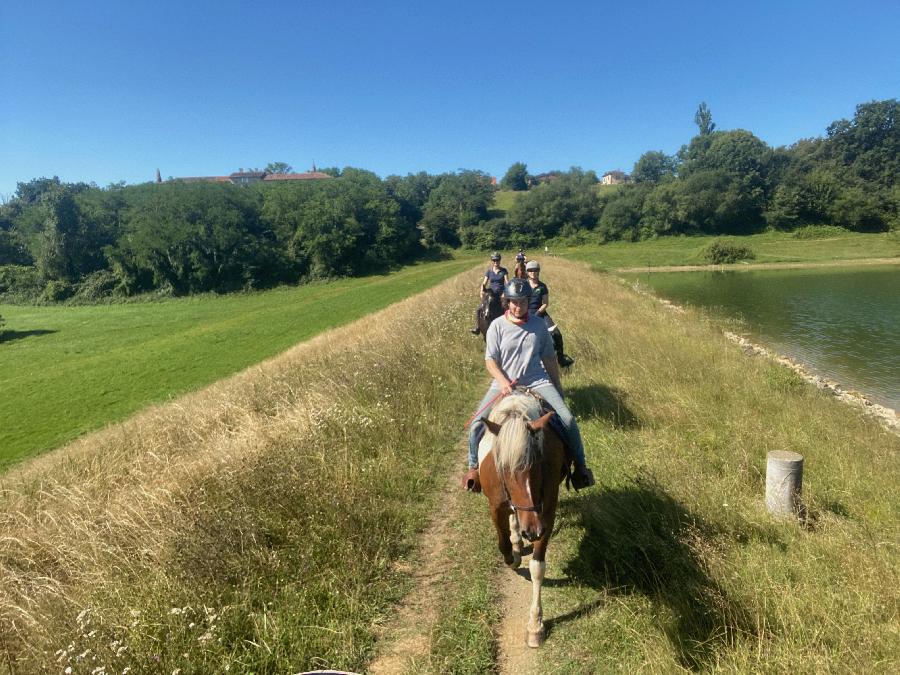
518, 347
540, 298
492, 284
519, 269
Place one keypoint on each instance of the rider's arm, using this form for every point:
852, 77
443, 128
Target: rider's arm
545, 300
483, 285
498, 374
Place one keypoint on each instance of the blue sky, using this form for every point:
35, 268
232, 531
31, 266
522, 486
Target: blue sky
108, 91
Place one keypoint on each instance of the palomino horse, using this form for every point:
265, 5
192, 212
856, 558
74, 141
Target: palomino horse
521, 463
491, 307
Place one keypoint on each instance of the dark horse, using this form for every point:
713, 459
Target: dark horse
491, 307
521, 464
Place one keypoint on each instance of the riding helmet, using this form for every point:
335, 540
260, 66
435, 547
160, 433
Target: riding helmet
520, 257
517, 289
533, 265
495, 256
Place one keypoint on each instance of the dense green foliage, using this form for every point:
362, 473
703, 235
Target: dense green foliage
722, 252
181, 238
516, 177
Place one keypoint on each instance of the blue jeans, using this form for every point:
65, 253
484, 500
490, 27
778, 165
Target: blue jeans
549, 393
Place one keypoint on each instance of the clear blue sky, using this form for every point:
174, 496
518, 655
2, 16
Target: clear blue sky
108, 91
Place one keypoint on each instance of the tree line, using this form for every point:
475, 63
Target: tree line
61, 239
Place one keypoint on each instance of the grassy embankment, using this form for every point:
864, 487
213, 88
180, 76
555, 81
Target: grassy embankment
672, 563
770, 247
67, 370
264, 523
259, 524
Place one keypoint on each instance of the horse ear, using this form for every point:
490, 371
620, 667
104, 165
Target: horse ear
493, 427
540, 422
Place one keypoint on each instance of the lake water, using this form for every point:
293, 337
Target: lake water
844, 323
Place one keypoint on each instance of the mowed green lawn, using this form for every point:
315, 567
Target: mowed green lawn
67, 370
769, 247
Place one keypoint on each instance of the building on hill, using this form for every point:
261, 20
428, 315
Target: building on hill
615, 177
241, 177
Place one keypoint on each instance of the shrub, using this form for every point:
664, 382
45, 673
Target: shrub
20, 283
58, 290
97, 285
720, 252
819, 232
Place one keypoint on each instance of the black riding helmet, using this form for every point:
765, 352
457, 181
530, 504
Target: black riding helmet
517, 289
520, 257
495, 256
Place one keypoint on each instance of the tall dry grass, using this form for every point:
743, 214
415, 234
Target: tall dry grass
676, 544
254, 525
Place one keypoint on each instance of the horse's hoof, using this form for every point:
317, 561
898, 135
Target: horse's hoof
515, 563
535, 638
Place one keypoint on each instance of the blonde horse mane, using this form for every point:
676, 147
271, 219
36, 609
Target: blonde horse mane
516, 447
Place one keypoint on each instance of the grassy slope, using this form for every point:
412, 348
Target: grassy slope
769, 247
276, 510
260, 524
672, 563
99, 364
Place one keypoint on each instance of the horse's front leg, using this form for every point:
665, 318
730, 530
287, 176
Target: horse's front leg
535, 631
500, 516
515, 536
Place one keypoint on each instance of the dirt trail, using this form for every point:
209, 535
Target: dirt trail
408, 635
514, 657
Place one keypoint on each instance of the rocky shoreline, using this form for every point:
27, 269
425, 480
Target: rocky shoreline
884, 415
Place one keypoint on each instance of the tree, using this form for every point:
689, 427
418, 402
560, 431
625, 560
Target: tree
278, 167
516, 177
459, 200
703, 120
654, 166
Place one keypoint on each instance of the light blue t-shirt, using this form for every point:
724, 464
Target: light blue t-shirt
518, 349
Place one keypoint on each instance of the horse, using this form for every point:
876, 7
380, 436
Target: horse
491, 307
521, 465
519, 270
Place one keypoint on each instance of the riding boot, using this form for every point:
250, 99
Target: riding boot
562, 359
582, 477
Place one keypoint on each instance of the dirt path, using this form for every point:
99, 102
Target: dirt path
514, 657
408, 635
762, 266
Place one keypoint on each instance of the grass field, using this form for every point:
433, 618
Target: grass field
269, 522
770, 247
67, 370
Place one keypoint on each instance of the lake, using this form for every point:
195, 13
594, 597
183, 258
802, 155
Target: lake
844, 323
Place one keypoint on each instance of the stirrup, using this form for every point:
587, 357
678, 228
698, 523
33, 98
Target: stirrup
472, 481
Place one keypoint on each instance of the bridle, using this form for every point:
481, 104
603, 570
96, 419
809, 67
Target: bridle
537, 508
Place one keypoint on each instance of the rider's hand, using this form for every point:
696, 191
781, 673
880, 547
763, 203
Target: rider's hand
507, 388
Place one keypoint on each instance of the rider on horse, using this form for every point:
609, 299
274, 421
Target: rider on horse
540, 298
519, 351
519, 269
492, 284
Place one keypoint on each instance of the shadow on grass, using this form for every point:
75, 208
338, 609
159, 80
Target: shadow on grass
639, 540
10, 335
600, 401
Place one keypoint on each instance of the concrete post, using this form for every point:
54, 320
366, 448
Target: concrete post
784, 482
